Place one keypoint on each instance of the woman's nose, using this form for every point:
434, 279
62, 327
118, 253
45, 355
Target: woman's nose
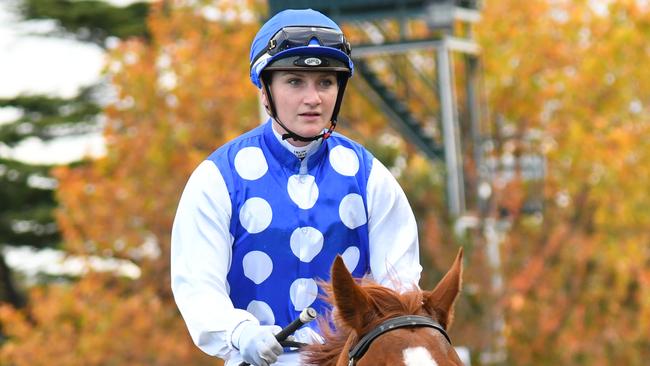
312, 96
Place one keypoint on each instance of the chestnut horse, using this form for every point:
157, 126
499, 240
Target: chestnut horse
374, 325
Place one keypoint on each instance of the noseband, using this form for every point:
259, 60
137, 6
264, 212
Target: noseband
391, 324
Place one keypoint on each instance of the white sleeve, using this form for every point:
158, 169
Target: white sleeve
393, 233
201, 249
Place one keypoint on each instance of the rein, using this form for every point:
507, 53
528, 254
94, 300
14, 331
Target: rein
391, 324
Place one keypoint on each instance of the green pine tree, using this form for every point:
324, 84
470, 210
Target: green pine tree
90, 20
27, 190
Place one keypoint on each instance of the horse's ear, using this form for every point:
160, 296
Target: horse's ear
440, 302
353, 304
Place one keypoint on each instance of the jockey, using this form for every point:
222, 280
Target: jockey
263, 217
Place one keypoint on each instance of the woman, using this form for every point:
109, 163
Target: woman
263, 217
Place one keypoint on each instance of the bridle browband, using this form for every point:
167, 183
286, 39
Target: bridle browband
404, 321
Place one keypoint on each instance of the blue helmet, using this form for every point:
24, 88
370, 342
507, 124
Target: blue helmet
304, 39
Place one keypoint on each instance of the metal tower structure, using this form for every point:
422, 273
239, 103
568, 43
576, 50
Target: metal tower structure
417, 62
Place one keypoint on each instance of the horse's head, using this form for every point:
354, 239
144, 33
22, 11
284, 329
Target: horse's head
378, 326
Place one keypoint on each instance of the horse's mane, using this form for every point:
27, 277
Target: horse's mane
386, 302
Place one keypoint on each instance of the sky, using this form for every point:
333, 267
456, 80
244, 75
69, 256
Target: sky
33, 63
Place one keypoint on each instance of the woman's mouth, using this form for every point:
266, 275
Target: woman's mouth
310, 116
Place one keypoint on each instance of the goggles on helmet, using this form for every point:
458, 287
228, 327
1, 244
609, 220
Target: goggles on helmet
298, 36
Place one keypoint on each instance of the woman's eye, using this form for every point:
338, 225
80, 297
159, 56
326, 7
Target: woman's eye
294, 81
327, 82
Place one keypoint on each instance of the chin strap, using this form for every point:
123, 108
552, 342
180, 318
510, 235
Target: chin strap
292, 135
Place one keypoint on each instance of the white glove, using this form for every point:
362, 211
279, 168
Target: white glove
257, 344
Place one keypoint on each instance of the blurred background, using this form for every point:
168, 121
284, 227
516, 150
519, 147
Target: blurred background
518, 129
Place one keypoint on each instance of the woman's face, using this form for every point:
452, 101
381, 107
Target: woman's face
304, 101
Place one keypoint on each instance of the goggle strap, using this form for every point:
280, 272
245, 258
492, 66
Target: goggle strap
345, 45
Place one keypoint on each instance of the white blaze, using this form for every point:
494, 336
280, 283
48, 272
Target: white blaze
418, 356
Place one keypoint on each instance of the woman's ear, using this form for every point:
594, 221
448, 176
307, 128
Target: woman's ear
265, 99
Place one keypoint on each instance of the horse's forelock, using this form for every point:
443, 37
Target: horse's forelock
390, 304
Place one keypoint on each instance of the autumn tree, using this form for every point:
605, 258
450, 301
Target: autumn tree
577, 287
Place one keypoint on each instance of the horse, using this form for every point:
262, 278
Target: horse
375, 325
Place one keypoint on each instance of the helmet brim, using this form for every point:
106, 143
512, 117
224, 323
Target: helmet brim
342, 60
308, 63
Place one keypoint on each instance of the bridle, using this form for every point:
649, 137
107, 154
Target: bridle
391, 324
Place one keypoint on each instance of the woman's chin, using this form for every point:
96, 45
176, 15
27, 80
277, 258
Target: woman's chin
311, 130
313, 133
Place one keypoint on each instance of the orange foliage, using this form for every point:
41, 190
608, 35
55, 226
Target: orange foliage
96, 321
575, 277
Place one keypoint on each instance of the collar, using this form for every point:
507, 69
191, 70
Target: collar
287, 158
298, 151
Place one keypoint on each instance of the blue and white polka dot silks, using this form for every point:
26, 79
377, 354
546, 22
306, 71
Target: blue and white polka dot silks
290, 219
